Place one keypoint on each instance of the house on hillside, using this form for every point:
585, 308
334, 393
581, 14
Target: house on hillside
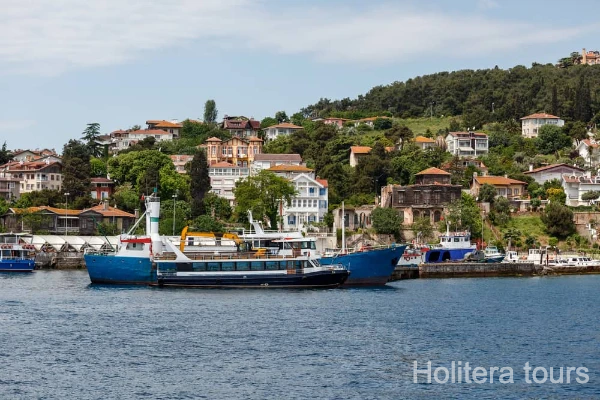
9, 187
283, 129
101, 188
173, 127
424, 142
240, 126
467, 144
180, 161
531, 124
357, 152
35, 175
355, 217
237, 150
428, 198
512, 189
266, 161
576, 186
368, 121
337, 122
554, 171
588, 150
223, 176
590, 57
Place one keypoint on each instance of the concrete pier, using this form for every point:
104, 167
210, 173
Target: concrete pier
456, 270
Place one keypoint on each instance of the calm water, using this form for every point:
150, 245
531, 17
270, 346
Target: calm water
62, 338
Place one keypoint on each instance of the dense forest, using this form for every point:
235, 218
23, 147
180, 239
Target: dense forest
480, 96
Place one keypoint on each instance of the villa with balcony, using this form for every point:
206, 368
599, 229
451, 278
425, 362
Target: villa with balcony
34, 175
237, 151
531, 124
467, 144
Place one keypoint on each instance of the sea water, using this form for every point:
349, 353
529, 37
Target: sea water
61, 337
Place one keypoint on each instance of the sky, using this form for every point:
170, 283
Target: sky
66, 63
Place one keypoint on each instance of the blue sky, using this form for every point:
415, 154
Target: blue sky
120, 62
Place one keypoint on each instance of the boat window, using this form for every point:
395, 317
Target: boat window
227, 266
243, 266
213, 266
199, 266
135, 246
272, 265
456, 240
283, 264
257, 265
297, 264
5, 253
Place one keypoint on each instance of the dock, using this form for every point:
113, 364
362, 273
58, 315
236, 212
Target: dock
466, 270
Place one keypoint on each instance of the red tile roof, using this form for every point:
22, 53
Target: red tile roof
360, 149
223, 164
277, 157
498, 180
101, 180
468, 134
423, 139
285, 125
163, 124
149, 132
323, 182
433, 171
109, 211
547, 167
289, 168
589, 143
213, 139
541, 115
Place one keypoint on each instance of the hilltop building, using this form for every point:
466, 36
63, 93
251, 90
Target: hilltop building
512, 189
283, 129
531, 124
237, 150
554, 171
427, 198
467, 144
240, 126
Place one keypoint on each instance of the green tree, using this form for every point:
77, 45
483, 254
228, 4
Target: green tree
210, 112
463, 214
487, 193
206, 223
98, 168
262, 193
591, 195
90, 136
381, 124
423, 229
267, 122
217, 207
386, 221
126, 197
195, 130
281, 116
557, 196
558, 220
551, 138
512, 235
76, 173
200, 182
5, 155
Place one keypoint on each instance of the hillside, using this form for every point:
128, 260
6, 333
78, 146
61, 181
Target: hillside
480, 96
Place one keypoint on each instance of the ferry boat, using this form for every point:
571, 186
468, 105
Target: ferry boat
368, 265
154, 260
453, 246
14, 255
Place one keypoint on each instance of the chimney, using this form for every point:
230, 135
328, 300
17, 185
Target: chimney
105, 205
530, 167
136, 213
474, 174
506, 176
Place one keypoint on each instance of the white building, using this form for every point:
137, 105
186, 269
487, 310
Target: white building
283, 129
180, 161
266, 161
124, 139
35, 175
223, 177
554, 171
173, 127
311, 202
576, 186
467, 144
588, 150
531, 124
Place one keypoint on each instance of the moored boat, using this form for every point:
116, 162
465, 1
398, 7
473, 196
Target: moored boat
413, 257
14, 255
493, 255
155, 260
370, 267
453, 246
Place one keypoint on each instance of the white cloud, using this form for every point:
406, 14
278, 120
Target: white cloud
50, 37
16, 124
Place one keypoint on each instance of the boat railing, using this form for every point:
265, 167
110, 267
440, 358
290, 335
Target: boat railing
167, 255
98, 252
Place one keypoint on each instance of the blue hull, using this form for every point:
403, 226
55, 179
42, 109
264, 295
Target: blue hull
17, 265
494, 259
108, 269
373, 267
442, 255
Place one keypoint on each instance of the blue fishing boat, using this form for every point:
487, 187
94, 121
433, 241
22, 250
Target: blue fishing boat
15, 256
453, 246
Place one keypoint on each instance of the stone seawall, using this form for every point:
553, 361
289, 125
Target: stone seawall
456, 270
